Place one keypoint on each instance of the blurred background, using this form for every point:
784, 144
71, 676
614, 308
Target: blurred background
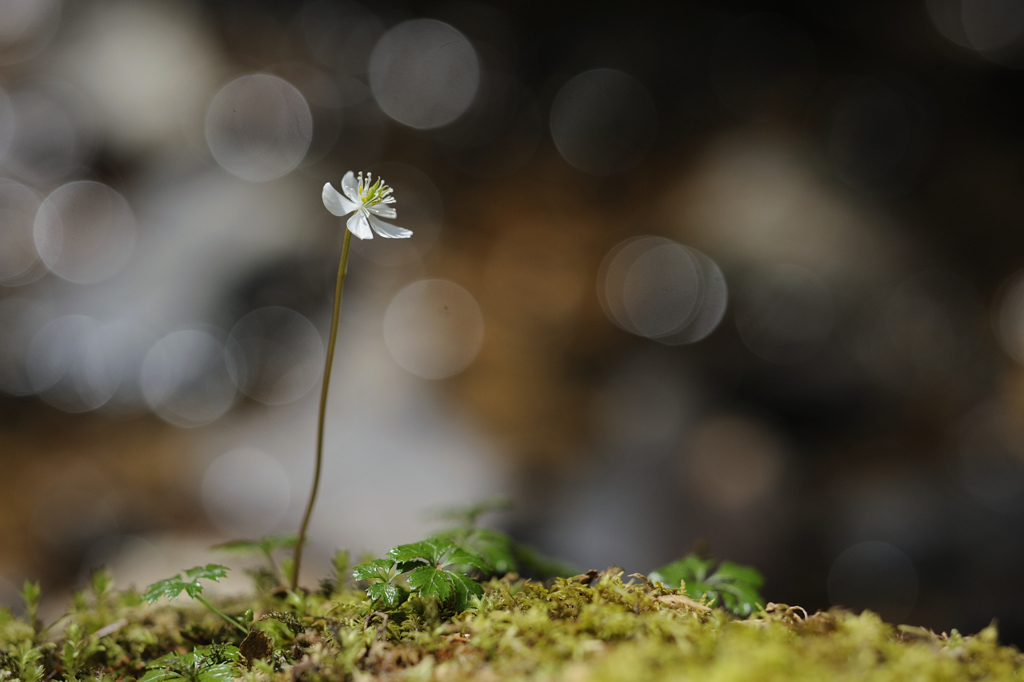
743, 277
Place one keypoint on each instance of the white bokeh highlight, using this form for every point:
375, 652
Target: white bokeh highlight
245, 493
424, 73
185, 379
18, 256
84, 232
259, 127
603, 121
276, 355
660, 289
26, 27
433, 328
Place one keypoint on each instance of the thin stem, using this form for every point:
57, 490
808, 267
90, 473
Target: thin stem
222, 614
342, 270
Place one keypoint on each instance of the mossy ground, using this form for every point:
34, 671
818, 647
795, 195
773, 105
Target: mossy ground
597, 628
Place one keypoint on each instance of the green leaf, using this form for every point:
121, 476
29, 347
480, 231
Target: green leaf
469, 514
340, 563
169, 587
732, 586
430, 581
222, 672
265, 545
690, 568
495, 547
100, 581
30, 593
734, 573
378, 569
460, 557
430, 551
533, 562
697, 590
212, 572
384, 592
417, 551
172, 587
159, 675
464, 586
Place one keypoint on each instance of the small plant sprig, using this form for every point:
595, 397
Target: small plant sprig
729, 585
267, 547
368, 201
497, 548
435, 567
215, 663
31, 593
174, 586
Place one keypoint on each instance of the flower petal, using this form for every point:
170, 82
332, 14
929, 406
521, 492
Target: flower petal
388, 230
358, 226
335, 203
350, 187
383, 210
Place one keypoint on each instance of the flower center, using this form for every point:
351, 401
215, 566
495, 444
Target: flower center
373, 192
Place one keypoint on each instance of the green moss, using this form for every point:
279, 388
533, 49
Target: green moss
590, 628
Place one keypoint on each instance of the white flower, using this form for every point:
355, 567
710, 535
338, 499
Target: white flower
369, 200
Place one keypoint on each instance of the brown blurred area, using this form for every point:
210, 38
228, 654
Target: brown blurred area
735, 276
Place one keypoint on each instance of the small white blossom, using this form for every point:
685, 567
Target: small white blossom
371, 201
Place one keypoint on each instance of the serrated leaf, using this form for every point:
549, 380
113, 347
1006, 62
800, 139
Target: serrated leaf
540, 566
464, 586
460, 557
689, 569
384, 592
30, 592
212, 572
496, 548
417, 551
731, 585
469, 514
430, 581
406, 566
170, 588
697, 590
740, 598
730, 572
377, 569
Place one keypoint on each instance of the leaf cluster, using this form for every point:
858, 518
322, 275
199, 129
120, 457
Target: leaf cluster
273, 572
216, 663
498, 549
190, 585
436, 567
732, 586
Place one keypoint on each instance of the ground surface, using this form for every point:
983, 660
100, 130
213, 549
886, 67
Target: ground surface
595, 627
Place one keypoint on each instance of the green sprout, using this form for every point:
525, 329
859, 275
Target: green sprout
381, 575
436, 567
174, 586
31, 594
368, 201
730, 585
203, 664
267, 547
502, 553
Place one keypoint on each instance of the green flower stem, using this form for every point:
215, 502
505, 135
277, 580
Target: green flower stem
223, 615
301, 540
